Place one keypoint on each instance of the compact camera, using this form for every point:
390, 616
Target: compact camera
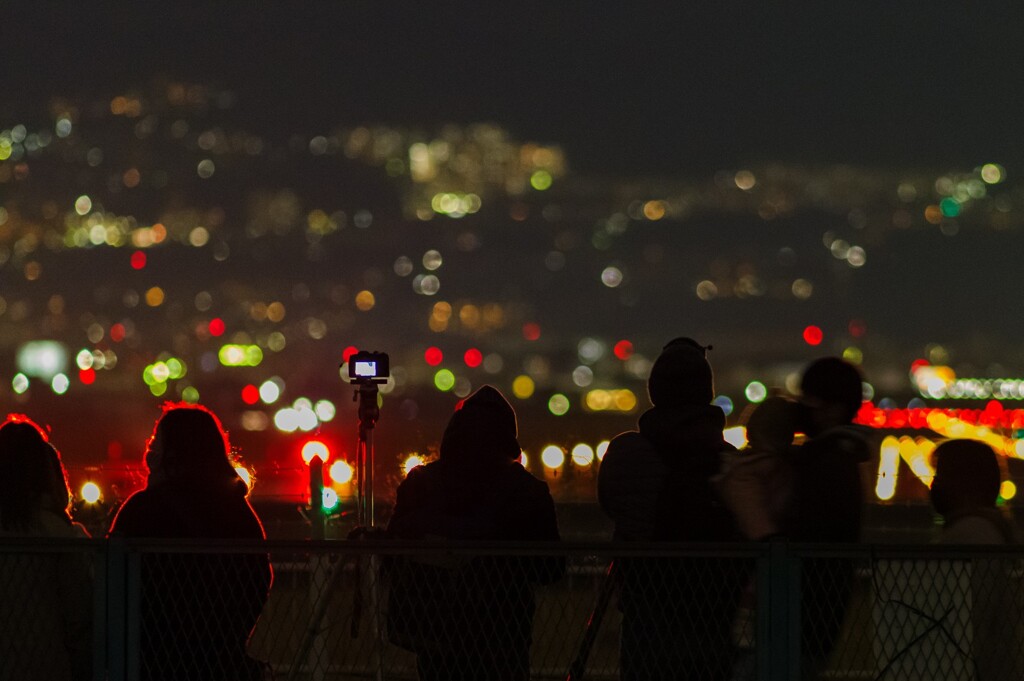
369, 367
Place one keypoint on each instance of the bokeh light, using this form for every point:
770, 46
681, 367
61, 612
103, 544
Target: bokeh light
552, 457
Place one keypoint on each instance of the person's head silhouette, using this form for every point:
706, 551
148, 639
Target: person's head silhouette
831, 393
681, 375
29, 471
189, 445
967, 477
482, 432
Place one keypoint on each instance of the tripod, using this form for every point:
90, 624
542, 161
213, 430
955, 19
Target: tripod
312, 648
369, 412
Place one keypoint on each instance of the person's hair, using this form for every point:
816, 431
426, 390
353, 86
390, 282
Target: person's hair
26, 474
192, 446
834, 381
968, 472
60, 491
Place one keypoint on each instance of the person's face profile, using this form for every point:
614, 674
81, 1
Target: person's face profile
155, 452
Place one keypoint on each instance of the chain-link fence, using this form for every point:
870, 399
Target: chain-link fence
382, 610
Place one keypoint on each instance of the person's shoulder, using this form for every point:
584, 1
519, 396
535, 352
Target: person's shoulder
421, 476
628, 444
973, 529
848, 441
53, 525
136, 512
527, 480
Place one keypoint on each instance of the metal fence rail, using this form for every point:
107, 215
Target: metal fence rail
370, 609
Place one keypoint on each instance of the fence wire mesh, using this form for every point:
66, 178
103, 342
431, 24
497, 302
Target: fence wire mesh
372, 610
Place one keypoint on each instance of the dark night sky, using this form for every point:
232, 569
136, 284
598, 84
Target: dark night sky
667, 87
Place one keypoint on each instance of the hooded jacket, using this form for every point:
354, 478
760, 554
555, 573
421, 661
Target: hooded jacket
478, 612
654, 483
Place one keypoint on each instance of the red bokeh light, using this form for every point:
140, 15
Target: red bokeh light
117, 332
250, 394
138, 260
216, 326
623, 350
433, 356
531, 331
857, 328
813, 335
87, 376
347, 353
473, 358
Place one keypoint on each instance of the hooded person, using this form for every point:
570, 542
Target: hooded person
655, 483
197, 610
471, 618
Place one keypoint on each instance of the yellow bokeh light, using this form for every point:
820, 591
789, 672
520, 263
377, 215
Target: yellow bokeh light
275, 312
244, 475
888, 468
341, 472
745, 180
583, 455
91, 492
365, 300
523, 387
1008, 490
992, 173
654, 210
442, 311
736, 436
411, 462
155, 297
314, 449
469, 315
552, 457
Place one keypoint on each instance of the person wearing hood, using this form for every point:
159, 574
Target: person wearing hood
828, 499
471, 617
197, 610
655, 483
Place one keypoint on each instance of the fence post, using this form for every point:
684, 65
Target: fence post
133, 613
778, 614
100, 591
116, 573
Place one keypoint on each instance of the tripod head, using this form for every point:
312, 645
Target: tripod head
366, 370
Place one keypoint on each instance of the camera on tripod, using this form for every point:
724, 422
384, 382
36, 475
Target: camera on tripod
369, 367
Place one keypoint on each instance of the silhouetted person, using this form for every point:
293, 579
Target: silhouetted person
45, 598
471, 618
964, 492
828, 499
655, 484
757, 482
197, 610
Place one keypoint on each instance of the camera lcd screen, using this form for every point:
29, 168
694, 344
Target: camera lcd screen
368, 369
